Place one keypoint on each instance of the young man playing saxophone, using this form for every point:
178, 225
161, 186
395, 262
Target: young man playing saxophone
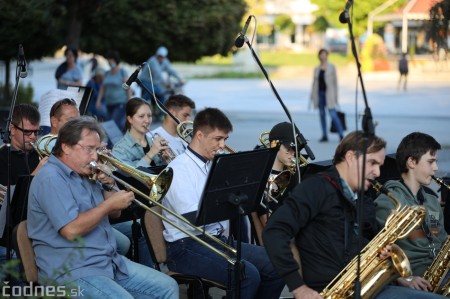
416, 160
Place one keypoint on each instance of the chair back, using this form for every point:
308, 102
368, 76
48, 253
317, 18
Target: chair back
24, 249
153, 227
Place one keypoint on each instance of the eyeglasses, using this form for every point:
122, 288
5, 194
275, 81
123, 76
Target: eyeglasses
89, 149
63, 102
27, 132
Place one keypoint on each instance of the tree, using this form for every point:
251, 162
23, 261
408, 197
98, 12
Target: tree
32, 24
189, 29
331, 10
440, 19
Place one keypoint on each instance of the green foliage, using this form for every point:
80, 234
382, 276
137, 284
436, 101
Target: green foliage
358, 14
189, 29
321, 24
374, 54
24, 95
440, 19
284, 23
32, 23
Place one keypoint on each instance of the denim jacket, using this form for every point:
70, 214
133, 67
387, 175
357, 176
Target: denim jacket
129, 151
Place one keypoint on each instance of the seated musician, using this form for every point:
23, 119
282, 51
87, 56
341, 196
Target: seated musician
416, 160
138, 150
186, 255
280, 134
181, 107
135, 148
24, 130
320, 215
68, 223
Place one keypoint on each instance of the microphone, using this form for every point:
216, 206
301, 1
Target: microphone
302, 142
344, 16
132, 78
239, 42
22, 63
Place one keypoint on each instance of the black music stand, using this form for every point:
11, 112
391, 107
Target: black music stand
234, 186
18, 207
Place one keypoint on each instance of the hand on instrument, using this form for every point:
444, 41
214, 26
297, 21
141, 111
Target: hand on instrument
41, 163
386, 252
159, 145
120, 200
305, 292
415, 282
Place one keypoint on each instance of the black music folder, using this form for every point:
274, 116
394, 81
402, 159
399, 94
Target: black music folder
236, 179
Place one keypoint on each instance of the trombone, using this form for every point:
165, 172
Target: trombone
44, 145
185, 130
158, 186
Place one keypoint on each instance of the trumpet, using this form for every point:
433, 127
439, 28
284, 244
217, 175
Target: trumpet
440, 181
158, 186
185, 130
166, 155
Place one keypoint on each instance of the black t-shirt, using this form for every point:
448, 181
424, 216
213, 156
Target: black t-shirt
21, 164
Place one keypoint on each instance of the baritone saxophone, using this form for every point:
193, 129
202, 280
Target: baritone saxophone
374, 272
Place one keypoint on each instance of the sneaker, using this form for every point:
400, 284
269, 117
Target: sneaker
324, 139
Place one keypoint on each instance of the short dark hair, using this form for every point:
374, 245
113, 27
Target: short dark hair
179, 101
414, 145
73, 50
323, 50
25, 111
70, 133
56, 108
113, 54
210, 119
354, 141
132, 107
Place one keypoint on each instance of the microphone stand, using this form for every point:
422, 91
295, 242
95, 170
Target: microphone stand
7, 141
300, 141
369, 131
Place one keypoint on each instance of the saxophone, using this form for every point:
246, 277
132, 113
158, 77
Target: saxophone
374, 272
438, 269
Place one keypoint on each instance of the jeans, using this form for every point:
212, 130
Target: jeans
144, 253
117, 114
142, 282
261, 281
123, 242
399, 292
333, 115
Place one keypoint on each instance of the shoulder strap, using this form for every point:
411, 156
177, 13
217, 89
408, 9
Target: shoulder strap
348, 223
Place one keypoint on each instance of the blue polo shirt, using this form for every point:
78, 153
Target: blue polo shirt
57, 196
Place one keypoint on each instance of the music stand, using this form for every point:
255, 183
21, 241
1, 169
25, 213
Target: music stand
19, 206
233, 188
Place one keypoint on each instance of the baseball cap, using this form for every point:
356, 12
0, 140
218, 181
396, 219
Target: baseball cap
162, 51
283, 133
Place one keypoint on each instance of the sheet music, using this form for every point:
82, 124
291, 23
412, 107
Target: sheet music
52, 96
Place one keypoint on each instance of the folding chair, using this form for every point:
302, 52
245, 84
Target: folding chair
152, 228
24, 250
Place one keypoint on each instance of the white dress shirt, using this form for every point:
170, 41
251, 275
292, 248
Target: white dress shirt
189, 178
176, 144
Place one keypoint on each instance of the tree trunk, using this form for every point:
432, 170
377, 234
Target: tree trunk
75, 24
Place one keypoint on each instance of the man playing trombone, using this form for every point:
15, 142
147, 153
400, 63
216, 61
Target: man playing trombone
186, 255
68, 223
